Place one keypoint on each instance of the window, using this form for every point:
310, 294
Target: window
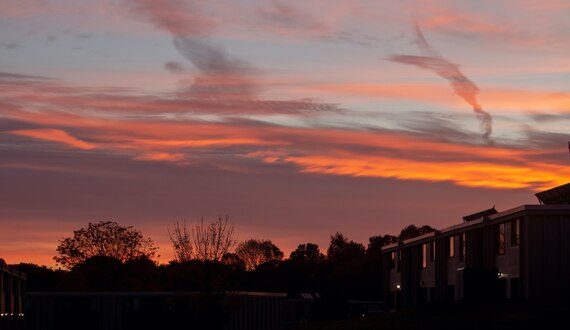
432, 251
462, 247
424, 255
451, 253
515, 232
392, 260
501, 238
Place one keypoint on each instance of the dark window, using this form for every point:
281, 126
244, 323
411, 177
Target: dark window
399, 261
392, 260
515, 232
424, 255
501, 238
451, 253
432, 251
462, 247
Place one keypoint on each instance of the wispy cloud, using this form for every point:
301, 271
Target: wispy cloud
293, 21
220, 75
462, 86
468, 23
469, 174
180, 18
486, 25
287, 20
223, 82
11, 45
54, 135
162, 157
501, 99
174, 67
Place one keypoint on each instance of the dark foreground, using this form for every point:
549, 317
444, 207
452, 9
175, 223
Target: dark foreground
520, 315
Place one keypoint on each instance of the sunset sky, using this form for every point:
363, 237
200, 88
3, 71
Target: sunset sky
297, 119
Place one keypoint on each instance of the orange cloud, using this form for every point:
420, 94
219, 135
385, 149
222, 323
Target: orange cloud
162, 156
325, 151
521, 100
206, 142
469, 174
54, 135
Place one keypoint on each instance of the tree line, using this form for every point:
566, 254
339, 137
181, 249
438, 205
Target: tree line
106, 256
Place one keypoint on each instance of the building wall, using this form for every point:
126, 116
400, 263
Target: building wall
454, 266
547, 269
394, 271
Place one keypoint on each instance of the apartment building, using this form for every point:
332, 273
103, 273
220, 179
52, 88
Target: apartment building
523, 252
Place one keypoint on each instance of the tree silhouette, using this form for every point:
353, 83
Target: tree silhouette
98, 273
181, 242
307, 253
40, 278
233, 261
105, 238
341, 249
257, 252
375, 243
412, 231
203, 242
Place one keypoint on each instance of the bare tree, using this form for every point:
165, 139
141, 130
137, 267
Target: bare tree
203, 242
181, 242
105, 238
211, 242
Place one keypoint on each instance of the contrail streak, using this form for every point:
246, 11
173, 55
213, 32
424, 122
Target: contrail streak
462, 86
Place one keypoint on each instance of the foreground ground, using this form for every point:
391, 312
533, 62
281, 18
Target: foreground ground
497, 316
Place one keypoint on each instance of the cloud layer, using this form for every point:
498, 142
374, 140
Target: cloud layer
171, 130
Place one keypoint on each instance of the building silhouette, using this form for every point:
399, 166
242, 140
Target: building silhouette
12, 292
523, 252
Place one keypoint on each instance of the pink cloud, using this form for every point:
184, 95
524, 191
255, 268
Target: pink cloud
54, 135
182, 18
290, 21
496, 23
23, 8
467, 22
